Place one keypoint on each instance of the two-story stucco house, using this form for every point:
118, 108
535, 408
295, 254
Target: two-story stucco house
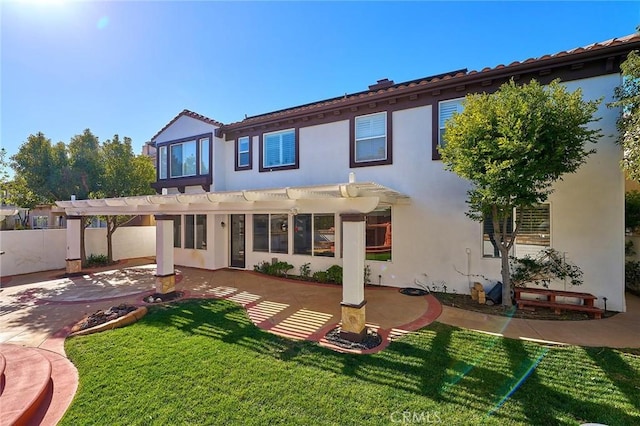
356, 180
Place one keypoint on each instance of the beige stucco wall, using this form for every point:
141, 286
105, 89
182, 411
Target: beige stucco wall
44, 249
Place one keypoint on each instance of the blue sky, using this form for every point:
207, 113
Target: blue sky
129, 67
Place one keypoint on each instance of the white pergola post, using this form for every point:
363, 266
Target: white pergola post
74, 258
353, 303
165, 270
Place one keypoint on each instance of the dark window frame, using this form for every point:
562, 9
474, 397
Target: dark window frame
389, 140
249, 165
295, 165
198, 179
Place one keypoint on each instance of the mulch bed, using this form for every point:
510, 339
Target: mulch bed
372, 340
101, 317
464, 301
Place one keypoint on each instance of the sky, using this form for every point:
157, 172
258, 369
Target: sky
129, 67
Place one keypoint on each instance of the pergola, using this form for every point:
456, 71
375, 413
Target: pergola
352, 201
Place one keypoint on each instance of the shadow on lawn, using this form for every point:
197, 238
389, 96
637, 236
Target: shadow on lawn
491, 372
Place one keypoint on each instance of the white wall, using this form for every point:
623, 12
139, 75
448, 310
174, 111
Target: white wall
44, 249
432, 234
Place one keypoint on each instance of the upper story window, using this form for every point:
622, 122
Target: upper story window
446, 109
371, 140
186, 157
279, 150
243, 153
205, 143
183, 159
163, 164
371, 137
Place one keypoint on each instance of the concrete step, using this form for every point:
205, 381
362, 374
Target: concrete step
27, 375
64, 380
3, 363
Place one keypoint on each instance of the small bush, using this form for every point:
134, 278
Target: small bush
334, 274
320, 276
305, 271
278, 269
97, 260
367, 275
632, 276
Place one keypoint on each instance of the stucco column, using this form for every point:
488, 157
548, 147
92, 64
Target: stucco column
165, 271
353, 303
74, 258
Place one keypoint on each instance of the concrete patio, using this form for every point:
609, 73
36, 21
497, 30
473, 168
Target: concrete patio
38, 310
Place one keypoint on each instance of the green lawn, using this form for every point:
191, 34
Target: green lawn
204, 362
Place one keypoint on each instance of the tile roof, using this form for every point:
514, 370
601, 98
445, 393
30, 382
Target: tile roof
187, 113
400, 87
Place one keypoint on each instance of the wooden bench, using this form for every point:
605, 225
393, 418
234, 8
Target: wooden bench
586, 300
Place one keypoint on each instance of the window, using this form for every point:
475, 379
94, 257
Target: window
261, 232
183, 159
187, 159
378, 234
446, 109
204, 156
177, 231
279, 150
533, 236
314, 235
163, 162
243, 156
195, 231
271, 233
371, 137
279, 233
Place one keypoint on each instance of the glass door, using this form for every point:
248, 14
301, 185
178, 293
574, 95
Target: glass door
237, 241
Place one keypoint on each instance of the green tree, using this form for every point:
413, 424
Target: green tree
627, 98
86, 168
124, 174
512, 146
43, 169
85, 163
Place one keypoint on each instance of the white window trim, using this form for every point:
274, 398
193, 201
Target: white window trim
442, 125
264, 148
240, 151
356, 139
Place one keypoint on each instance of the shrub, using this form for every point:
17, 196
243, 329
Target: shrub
97, 260
632, 276
278, 269
320, 276
548, 265
632, 210
334, 274
367, 275
305, 271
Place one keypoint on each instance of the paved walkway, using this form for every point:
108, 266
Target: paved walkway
36, 307
38, 310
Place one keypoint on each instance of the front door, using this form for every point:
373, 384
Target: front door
237, 241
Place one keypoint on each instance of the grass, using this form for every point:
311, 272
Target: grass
205, 363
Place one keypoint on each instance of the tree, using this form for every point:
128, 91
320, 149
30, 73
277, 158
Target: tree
43, 169
124, 174
512, 146
628, 100
86, 167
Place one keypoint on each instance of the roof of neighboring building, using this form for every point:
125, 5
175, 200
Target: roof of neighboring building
386, 87
187, 113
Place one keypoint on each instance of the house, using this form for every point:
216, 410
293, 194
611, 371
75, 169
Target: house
357, 179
